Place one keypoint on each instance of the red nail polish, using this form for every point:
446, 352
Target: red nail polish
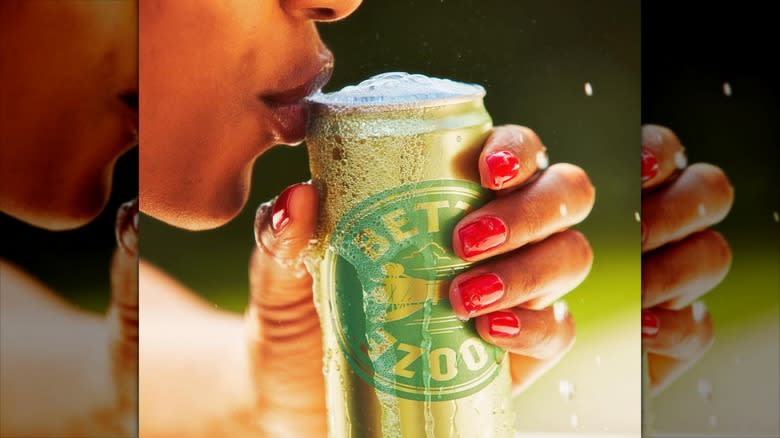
649, 164
650, 324
503, 324
481, 235
280, 214
502, 166
478, 292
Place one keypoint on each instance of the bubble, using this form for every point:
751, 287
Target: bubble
588, 89
398, 87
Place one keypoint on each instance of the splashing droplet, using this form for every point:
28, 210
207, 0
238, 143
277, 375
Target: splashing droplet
699, 311
680, 160
727, 89
566, 389
776, 216
705, 389
541, 160
588, 89
637, 217
560, 310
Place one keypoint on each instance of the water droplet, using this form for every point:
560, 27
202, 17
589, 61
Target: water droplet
560, 310
637, 217
541, 160
566, 389
575, 421
563, 209
713, 421
680, 160
588, 89
705, 389
702, 210
727, 89
699, 311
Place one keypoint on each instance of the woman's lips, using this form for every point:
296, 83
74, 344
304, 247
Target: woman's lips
288, 113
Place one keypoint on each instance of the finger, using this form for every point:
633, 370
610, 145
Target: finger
123, 314
510, 156
561, 197
675, 275
284, 330
526, 370
700, 197
540, 334
533, 276
662, 155
680, 334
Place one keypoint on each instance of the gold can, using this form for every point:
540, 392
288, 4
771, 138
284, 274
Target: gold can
395, 162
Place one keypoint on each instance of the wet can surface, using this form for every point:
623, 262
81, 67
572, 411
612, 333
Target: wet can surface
395, 162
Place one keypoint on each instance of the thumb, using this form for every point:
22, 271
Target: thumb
284, 331
123, 315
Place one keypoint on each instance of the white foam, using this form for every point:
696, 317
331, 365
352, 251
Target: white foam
398, 88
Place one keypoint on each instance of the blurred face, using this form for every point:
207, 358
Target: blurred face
222, 83
68, 106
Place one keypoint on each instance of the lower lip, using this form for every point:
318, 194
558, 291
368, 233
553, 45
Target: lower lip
288, 122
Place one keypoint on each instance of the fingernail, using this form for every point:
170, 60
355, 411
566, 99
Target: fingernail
502, 167
280, 214
482, 235
503, 324
478, 292
650, 324
649, 164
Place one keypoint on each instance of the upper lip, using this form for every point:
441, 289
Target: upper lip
298, 92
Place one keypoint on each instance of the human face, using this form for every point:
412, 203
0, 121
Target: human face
68, 106
222, 82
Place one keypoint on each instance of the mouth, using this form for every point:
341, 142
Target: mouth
129, 100
288, 112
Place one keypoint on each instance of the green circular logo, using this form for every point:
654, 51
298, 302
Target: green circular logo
391, 264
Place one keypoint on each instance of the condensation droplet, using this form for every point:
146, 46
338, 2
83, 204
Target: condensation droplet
564, 210
588, 89
727, 89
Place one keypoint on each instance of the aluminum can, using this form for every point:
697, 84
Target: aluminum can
394, 160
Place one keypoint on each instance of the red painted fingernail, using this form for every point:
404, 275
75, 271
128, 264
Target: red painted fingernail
503, 324
280, 214
650, 324
481, 235
502, 166
478, 292
649, 164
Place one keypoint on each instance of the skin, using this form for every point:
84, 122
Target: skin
682, 259
62, 123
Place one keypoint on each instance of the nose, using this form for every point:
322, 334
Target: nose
321, 10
